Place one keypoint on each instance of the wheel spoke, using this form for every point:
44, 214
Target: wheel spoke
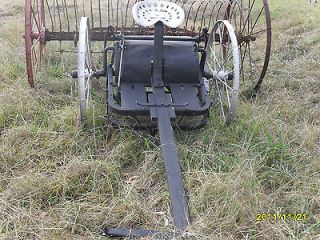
256, 21
225, 80
84, 67
225, 61
35, 19
249, 14
214, 57
220, 102
224, 83
260, 31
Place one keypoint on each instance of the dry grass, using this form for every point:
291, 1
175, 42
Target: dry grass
60, 182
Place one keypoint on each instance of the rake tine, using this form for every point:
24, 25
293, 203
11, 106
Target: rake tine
126, 15
38, 12
203, 16
108, 7
212, 12
196, 15
50, 15
35, 19
59, 16
91, 12
117, 16
100, 15
111, 5
188, 15
66, 14
75, 5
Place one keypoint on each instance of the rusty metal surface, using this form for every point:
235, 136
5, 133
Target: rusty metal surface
252, 23
34, 36
110, 34
268, 47
58, 20
63, 15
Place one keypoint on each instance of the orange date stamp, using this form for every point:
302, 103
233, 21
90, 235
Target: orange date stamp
281, 217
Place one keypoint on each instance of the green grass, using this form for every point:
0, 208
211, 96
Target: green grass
60, 181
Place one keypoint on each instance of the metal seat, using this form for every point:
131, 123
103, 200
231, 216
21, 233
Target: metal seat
147, 13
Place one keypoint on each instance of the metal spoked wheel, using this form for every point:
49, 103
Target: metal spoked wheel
34, 37
222, 63
84, 67
252, 24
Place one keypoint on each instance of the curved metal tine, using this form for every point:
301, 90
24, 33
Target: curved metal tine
75, 6
126, 15
54, 13
38, 12
250, 18
249, 13
108, 9
83, 9
100, 15
221, 11
188, 14
67, 15
112, 19
50, 15
35, 19
196, 14
234, 14
59, 16
120, 15
91, 12
215, 4
204, 15
117, 15
64, 17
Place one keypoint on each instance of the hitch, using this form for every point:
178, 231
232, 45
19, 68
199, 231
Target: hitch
161, 110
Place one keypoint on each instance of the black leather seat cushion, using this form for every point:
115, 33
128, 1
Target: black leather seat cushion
181, 62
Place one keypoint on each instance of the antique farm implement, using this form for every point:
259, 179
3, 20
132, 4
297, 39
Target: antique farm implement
165, 64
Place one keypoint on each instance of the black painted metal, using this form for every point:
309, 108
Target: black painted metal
169, 149
161, 106
180, 60
133, 233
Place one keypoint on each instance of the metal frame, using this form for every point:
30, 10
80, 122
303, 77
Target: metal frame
58, 21
160, 110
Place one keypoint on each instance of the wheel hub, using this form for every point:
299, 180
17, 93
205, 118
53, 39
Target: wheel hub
245, 38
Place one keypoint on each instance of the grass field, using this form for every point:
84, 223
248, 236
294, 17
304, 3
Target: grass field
58, 181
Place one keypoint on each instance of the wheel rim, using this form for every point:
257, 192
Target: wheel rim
84, 67
222, 62
34, 37
252, 24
